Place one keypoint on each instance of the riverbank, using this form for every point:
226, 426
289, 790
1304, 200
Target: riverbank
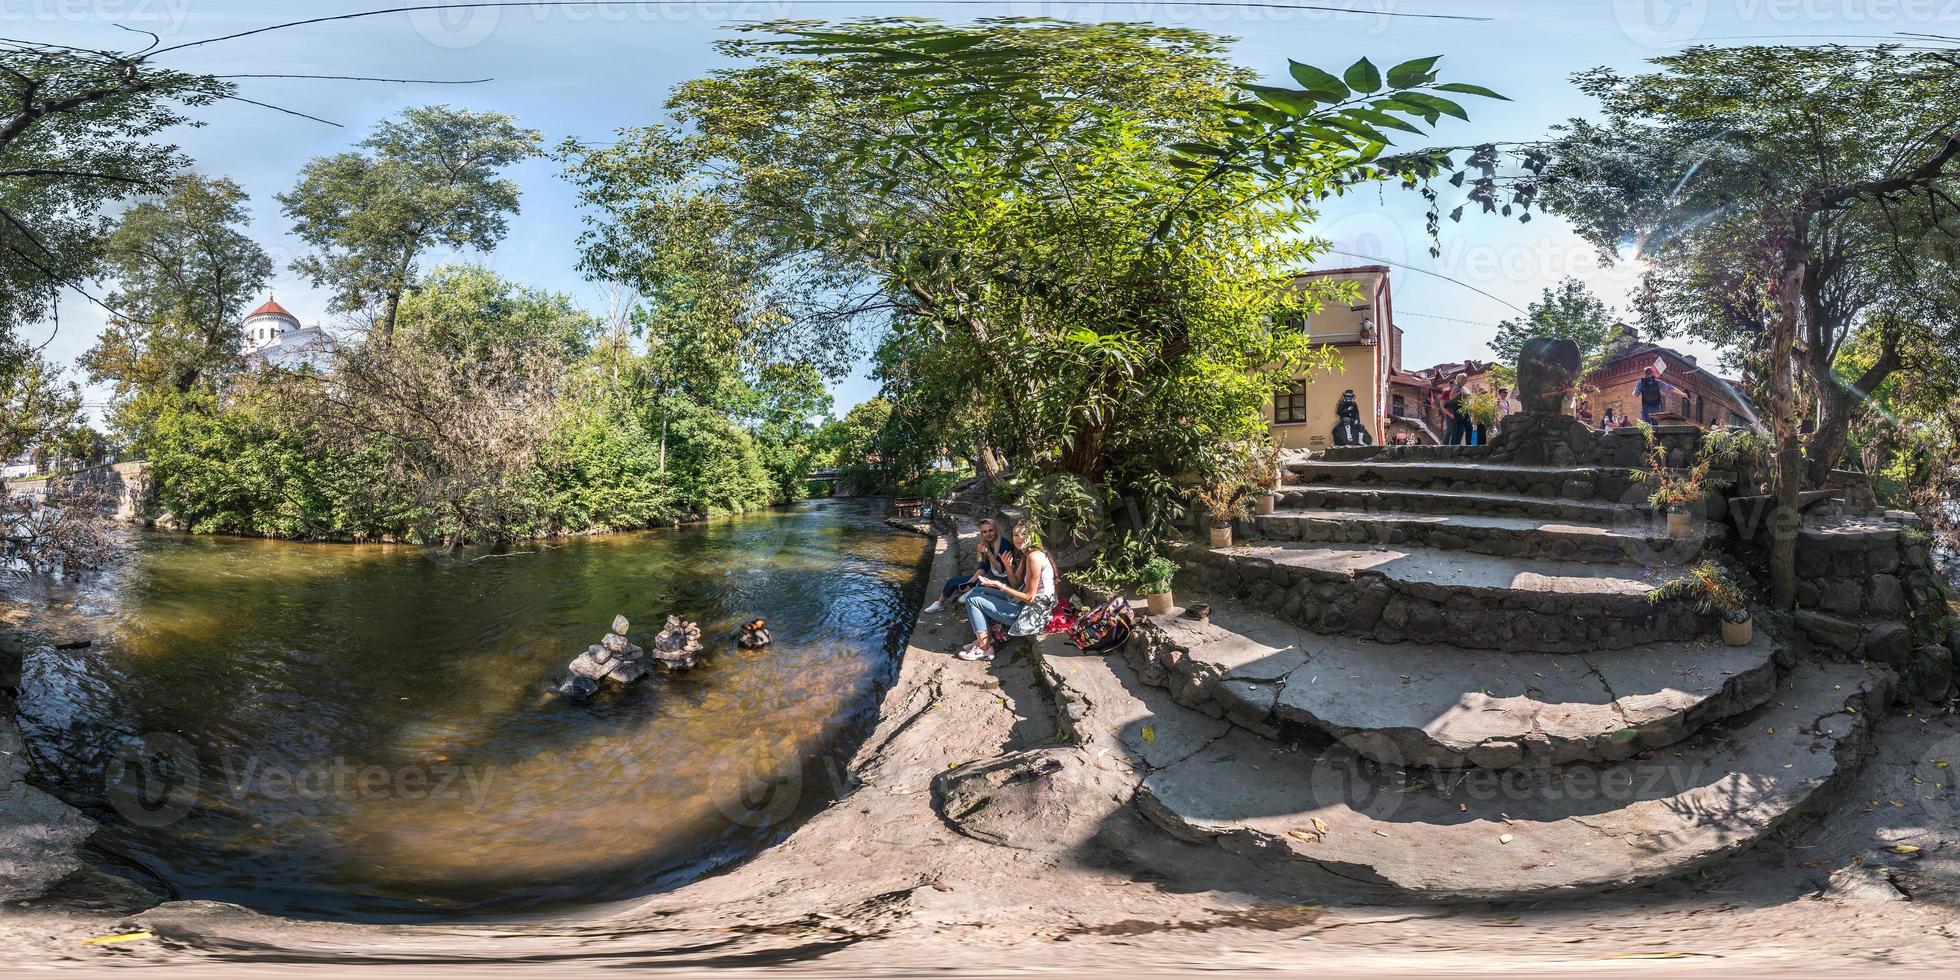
882, 882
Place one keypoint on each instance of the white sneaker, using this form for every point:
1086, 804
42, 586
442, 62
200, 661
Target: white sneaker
937, 604
973, 653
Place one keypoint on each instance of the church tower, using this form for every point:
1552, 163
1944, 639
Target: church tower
265, 325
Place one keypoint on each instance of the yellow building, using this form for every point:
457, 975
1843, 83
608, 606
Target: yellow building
1367, 349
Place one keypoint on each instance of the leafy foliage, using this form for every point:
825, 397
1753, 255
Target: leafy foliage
1071, 243
430, 179
1569, 311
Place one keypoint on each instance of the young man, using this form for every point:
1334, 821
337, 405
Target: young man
1653, 394
997, 555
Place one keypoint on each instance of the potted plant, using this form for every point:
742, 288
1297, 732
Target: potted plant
1222, 499
1154, 584
1712, 591
1674, 492
1481, 406
1262, 472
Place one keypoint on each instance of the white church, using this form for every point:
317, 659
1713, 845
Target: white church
274, 337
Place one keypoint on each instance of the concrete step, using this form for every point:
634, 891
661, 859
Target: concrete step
1525, 833
1322, 496
1613, 484
1426, 595
1637, 537
1441, 706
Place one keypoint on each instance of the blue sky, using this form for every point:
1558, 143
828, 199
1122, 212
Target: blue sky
588, 69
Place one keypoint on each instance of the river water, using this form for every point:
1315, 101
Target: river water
366, 732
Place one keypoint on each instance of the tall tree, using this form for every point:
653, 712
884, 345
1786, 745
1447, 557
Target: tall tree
1568, 310
1779, 196
184, 273
1086, 218
430, 179
78, 132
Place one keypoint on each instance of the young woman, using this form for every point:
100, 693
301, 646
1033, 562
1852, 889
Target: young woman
1022, 605
996, 557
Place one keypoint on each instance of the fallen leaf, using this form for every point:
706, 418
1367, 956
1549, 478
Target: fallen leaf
1150, 734
1505, 838
121, 937
1904, 849
1319, 825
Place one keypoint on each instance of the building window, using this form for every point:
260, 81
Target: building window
1401, 407
1687, 407
1291, 405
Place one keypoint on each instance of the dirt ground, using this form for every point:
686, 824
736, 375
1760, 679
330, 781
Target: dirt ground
880, 885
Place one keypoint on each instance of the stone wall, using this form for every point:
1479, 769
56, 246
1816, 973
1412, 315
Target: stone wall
1866, 589
121, 488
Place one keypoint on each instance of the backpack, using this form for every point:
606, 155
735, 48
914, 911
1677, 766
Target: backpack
1105, 629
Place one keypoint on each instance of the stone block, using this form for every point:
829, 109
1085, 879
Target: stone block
1931, 676
1829, 632
1889, 644
1888, 595
1842, 595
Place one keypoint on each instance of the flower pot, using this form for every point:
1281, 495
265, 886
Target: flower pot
1157, 604
1680, 524
1264, 504
1738, 634
1221, 537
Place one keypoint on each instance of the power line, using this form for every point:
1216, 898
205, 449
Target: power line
1452, 319
1268, 4
1426, 272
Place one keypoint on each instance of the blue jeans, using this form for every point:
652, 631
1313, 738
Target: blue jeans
985, 604
1647, 414
954, 584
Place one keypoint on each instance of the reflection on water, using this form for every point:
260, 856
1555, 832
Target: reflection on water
371, 735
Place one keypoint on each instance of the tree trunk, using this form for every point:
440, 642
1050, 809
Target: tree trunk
1838, 405
1786, 476
988, 463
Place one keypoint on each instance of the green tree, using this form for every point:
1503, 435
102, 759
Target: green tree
1079, 236
1779, 196
184, 274
1569, 311
78, 132
430, 179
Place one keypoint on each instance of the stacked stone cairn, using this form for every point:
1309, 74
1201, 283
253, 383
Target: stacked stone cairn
614, 658
678, 645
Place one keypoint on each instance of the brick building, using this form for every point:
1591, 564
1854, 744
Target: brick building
1701, 397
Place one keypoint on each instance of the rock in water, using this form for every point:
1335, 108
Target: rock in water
1547, 369
614, 658
678, 645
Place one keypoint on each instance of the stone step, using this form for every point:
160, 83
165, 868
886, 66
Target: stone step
1485, 602
1441, 706
1608, 483
1525, 833
1403, 499
1640, 537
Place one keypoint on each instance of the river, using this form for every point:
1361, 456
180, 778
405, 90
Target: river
367, 733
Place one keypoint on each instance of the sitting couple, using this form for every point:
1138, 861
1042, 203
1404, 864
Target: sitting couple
1014, 585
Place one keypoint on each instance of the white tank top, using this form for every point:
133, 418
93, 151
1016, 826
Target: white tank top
1046, 587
